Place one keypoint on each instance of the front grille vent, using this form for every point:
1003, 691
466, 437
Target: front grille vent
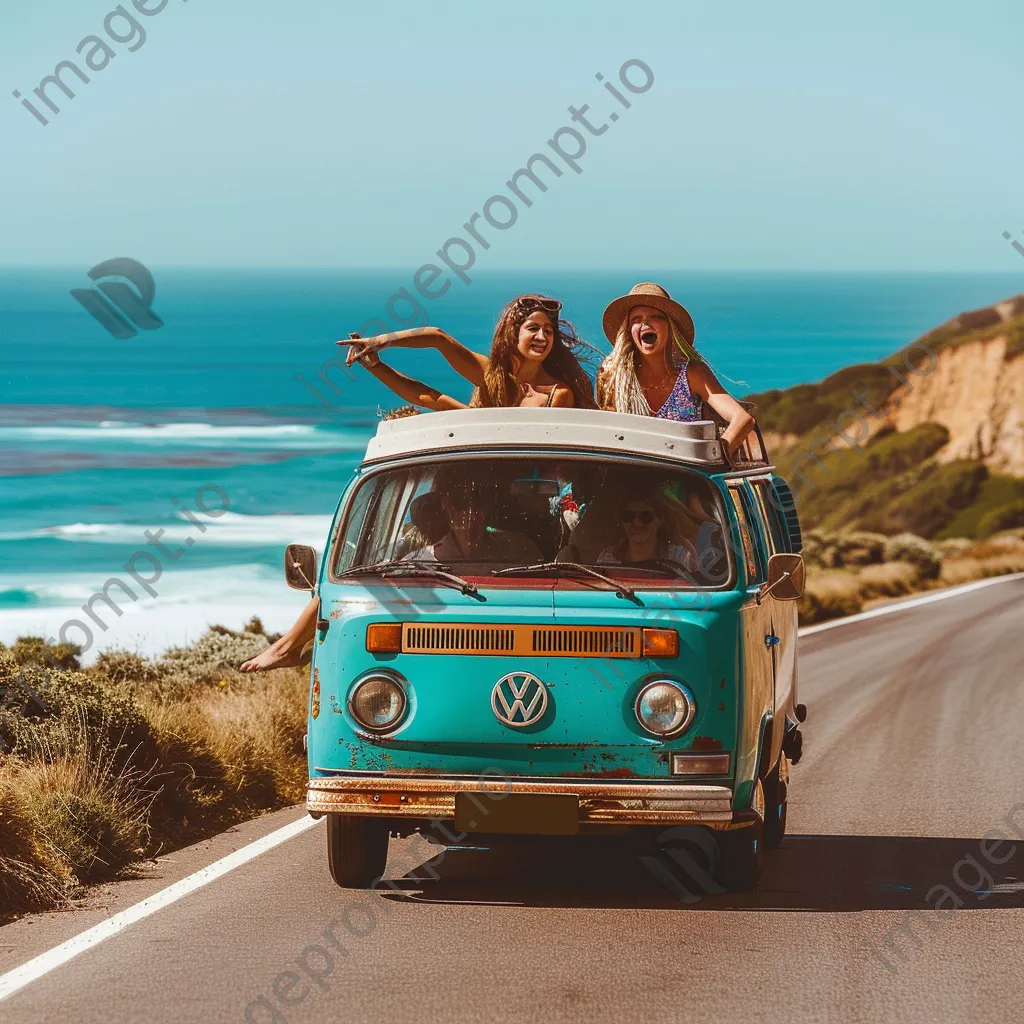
604, 643
521, 640
445, 639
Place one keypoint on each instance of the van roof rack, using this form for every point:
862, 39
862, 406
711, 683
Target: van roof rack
694, 443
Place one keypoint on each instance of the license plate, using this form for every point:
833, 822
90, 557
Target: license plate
544, 814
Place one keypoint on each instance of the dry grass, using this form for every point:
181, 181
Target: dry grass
891, 579
69, 815
832, 593
996, 556
135, 756
232, 750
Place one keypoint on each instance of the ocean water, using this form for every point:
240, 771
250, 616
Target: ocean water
99, 437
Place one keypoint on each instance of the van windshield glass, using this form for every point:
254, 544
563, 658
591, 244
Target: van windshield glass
651, 525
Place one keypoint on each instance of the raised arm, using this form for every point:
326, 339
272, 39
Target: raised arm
413, 391
739, 421
469, 364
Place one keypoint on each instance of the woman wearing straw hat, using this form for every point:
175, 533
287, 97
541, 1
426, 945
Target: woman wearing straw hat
654, 369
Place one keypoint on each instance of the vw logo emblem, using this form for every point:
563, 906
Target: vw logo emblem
519, 699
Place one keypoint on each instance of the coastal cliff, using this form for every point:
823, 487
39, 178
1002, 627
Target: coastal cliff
930, 440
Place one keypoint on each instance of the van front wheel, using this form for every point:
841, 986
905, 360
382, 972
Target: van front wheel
741, 854
357, 850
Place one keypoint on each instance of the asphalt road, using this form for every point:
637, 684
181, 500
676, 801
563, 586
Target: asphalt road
913, 754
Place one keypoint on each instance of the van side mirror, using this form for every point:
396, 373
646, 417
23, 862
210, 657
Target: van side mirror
300, 567
785, 578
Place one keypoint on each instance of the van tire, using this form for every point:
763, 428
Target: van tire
357, 850
776, 802
741, 856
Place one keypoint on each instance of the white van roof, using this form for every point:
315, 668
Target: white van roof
695, 443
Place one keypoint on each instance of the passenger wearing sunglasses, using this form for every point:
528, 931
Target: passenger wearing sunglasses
646, 537
532, 362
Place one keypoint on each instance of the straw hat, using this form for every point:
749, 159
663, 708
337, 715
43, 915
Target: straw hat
646, 294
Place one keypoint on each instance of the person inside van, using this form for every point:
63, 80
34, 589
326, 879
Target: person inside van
654, 370
647, 536
532, 361
457, 513
450, 523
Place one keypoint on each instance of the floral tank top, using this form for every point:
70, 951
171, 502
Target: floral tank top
680, 404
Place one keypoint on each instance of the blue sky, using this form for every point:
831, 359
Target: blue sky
778, 136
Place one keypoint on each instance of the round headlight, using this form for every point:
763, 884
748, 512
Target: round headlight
378, 703
665, 708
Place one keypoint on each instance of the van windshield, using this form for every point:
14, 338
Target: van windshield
645, 523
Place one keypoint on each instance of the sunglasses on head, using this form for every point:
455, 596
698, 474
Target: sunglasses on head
646, 517
532, 302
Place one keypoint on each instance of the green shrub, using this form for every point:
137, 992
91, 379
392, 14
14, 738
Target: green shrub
128, 668
932, 503
851, 491
861, 548
217, 651
111, 720
97, 831
1006, 517
34, 650
906, 547
999, 489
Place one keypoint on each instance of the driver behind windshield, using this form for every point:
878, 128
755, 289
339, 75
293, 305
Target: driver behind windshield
647, 536
463, 507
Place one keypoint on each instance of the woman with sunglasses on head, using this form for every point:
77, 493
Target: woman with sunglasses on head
531, 362
654, 369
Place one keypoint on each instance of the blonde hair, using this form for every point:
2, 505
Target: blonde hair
618, 384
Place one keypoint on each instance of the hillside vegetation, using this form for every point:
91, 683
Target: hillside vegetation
928, 441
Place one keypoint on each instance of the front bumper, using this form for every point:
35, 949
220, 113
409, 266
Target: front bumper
601, 803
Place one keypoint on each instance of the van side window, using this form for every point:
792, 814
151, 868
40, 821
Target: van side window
750, 555
767, 501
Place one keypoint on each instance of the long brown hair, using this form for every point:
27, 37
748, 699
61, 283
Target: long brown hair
500, 387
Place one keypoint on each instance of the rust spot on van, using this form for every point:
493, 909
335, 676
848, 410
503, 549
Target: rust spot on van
314, 709
705, 743
604, 773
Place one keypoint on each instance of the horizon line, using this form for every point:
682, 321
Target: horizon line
483, 272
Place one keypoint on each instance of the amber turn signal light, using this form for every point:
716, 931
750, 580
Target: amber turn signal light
661, 643
384, 637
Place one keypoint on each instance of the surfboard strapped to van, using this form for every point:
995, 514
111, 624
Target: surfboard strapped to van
551, 621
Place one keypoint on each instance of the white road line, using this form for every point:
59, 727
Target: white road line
21, 976
914, 602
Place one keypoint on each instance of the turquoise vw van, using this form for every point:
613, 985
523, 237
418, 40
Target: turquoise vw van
553, 622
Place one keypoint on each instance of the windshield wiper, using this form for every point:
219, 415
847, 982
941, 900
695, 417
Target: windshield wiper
621, 590
396, 567
434, 571
379, 567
